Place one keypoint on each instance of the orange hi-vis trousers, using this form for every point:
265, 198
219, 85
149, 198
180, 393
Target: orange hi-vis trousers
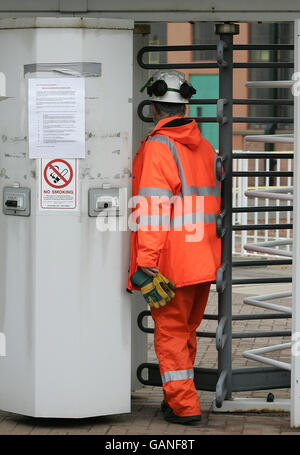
176, 346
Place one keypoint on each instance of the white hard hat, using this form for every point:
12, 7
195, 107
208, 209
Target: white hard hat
169, 86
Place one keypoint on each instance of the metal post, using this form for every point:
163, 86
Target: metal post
295, 374
224, 278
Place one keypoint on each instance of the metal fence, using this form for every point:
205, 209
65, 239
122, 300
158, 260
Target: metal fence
276, 219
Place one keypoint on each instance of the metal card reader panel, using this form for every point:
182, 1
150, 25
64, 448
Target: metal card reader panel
104, 202
16, 201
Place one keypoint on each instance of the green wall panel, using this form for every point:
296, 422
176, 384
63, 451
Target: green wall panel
207, 86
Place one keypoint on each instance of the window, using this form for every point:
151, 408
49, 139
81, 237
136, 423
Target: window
158, 37
204, 33
270, 33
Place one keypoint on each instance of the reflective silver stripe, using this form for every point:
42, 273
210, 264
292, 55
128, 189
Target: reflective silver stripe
191, 190
153, 220
151, 192
177, 375
188, 190
191, 218
210, 217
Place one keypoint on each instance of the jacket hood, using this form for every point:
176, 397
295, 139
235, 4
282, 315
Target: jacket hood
180, 129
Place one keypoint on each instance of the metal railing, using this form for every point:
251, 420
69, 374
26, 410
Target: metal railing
264, 213
261, 301
225, 379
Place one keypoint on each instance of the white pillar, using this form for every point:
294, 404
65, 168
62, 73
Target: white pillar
295, 374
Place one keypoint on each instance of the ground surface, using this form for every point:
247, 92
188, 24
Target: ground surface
146, 417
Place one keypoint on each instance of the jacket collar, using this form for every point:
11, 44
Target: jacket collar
163, 122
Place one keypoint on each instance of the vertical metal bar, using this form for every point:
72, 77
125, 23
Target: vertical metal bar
256, 185
295, 376
235, 217
244, 188
267, 201
224, 389
277, 214
288, 214
239, 194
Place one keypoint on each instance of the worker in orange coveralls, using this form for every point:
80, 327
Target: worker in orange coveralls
178, 195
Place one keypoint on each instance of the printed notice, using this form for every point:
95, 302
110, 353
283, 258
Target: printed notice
56, 118
59, 184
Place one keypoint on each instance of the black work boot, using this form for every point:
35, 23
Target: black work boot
170, 417
164, 406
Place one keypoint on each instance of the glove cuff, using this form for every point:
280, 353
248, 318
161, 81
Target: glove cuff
140, 279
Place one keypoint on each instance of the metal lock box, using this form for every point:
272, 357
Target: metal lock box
16, 201
104, 202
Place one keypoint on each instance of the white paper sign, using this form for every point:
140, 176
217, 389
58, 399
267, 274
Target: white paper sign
59, 184
56, 118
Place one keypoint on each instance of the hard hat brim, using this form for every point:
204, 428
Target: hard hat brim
170, 97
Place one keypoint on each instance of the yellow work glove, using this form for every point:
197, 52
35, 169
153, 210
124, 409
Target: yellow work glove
152, 296
164, 287
145, 283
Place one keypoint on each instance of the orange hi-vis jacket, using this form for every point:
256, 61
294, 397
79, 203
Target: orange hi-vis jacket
176, 199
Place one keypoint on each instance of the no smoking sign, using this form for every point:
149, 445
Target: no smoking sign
58, 173
58, 184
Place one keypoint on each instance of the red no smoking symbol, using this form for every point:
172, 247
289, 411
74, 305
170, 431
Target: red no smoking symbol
58, 173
